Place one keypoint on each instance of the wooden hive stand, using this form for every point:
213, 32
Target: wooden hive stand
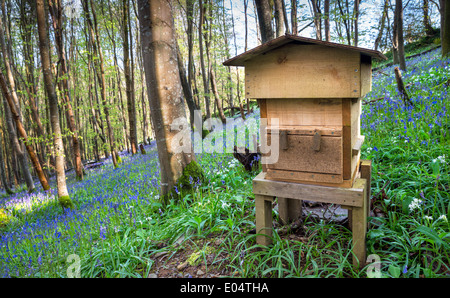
289, 194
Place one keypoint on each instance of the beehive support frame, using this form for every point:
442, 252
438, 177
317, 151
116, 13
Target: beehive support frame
290, 194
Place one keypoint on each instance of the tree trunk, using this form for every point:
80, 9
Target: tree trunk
202, 59
187, 91
399, 47
216, 97
426, 18
356, 17
265, 20
317, 18
63, 194
294, 23
100, 71
159, 52
327, 20
55, 7
15, 142
346, 25
279, 17
3, 172
445, 29
131, 102
401, 88
238, 92
382, 24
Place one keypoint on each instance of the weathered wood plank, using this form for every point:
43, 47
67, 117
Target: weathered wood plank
263, 218
308, 111
309, 130
346, 139
303, 177
366, 173
359, 228
300, 156
343, 196
307, 71
289, 210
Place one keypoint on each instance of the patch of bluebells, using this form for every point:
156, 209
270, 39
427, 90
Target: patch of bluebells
423, 124
44, 236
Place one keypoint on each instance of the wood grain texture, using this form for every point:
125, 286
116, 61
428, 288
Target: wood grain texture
300, 155
305, 112
307, 71
344, 196
263, 218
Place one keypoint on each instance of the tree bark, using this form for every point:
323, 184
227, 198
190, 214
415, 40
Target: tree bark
265, 20
131, 102
356, 17
63, 194
93, 30
317, 18
398, 43
327, 20
401, 88
202, 59
294, 23
426, 18
217, 97
382, 24
279, 18
187, 91
8, 190
445, 29
55, 8
159, 52
15, 142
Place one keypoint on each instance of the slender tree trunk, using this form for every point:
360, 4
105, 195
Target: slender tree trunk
159, 52
382, 24
131, 102
16, 143
346, 25
125, 131
100, 74
442, 13
55, 8
426, 18
3, 172
398, 43
445, 29
327, 20
265, 20
217, 97
317, 18
356, 17
238, 81
63, 194
202, 59
294, 23
279, 17
187, 91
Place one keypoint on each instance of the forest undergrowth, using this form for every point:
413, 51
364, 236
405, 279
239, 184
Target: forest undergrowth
119, 228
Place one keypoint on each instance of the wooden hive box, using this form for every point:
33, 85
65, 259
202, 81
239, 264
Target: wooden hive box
314, 89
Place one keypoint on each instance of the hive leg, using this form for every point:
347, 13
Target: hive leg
289, 210
263, 206
359, 228
366, 173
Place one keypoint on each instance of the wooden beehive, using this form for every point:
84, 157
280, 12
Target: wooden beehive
314, 89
